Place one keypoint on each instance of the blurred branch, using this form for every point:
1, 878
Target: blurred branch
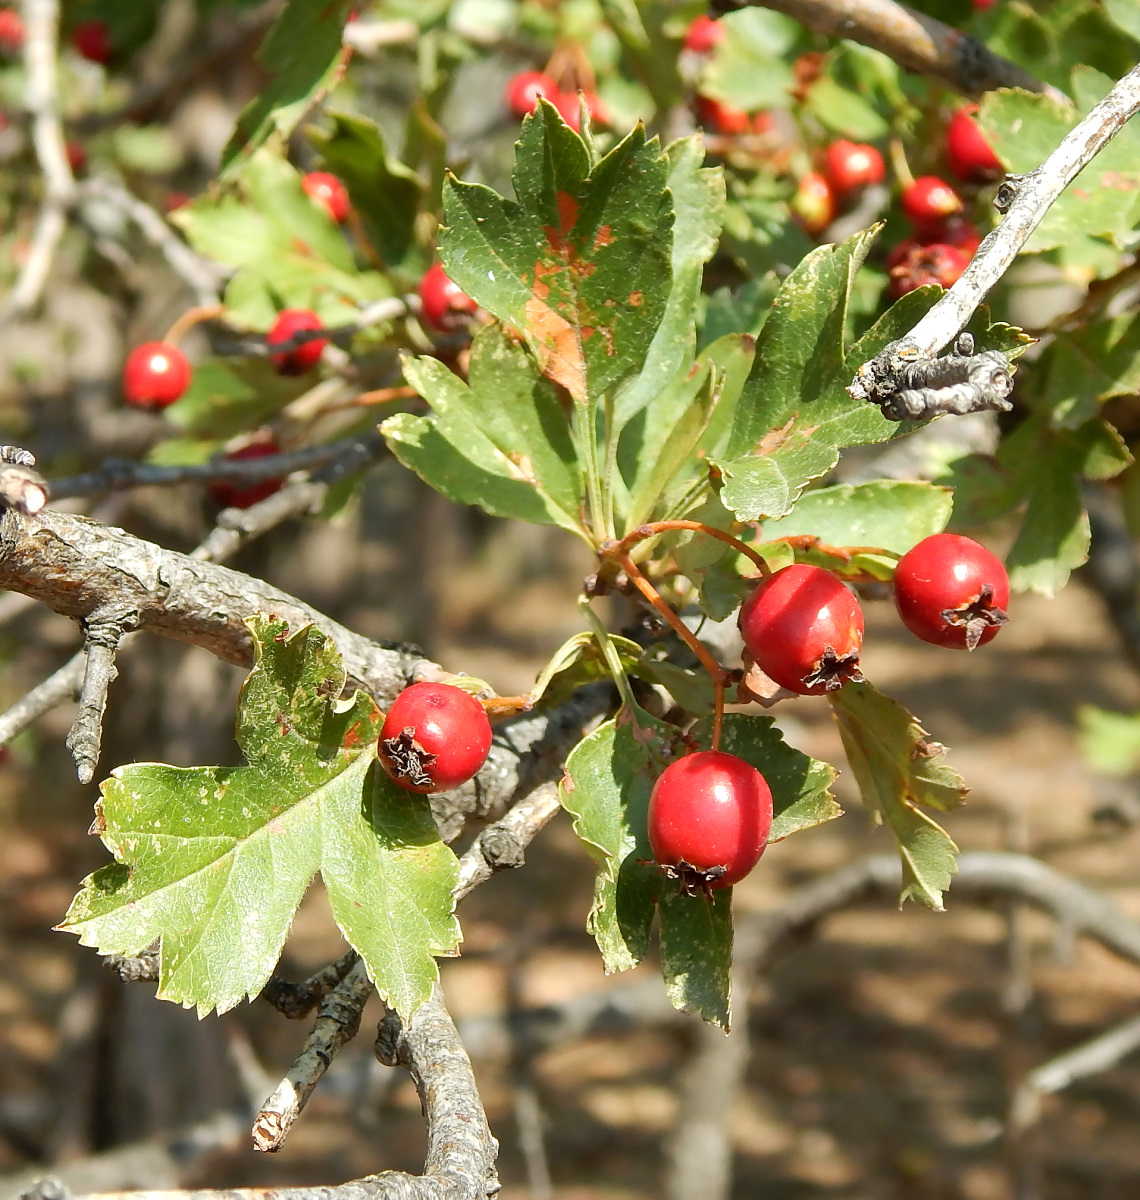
1023, 200
1112, 569
41, 98
915, 41
203, 277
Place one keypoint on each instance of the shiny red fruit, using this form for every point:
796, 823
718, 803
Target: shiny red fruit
329, 192
804, 629
11, 32
930, 200
703, 34
525, 89
301, 358
237, 495
155, 375
93, 40
968, 152
850, 166
434, 738
710, 814
443, 302
813, 205
722, 118
912, 265
952, 592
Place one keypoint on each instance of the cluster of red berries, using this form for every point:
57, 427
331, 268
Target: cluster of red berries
804, 628
710, 813
525, 89
434, 737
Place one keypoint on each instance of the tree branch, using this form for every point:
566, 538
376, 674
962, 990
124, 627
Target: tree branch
102, 634
1024, 200
915, 41
41, 32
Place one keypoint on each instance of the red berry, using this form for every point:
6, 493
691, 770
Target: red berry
11, 32
441, 301
850, 166
703, 34
930, 200
76, 157
954, 231
525, 89
155, 375
709, 818
568, 109
237, 495
968, 153
721, 118
980, 5
913, 265
952, 592
303, 357
329, 192
804, 629
93, 40
434, 738
813, 205
173, 201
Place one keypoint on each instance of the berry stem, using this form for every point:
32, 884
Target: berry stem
808, 541
655, 527
190, 318
899, 164
716, 672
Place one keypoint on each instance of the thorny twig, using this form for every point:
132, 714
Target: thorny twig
897, 378
41, 30
915, 41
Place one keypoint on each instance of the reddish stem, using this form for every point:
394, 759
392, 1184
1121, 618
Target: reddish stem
189, 319
808, 541
655, 527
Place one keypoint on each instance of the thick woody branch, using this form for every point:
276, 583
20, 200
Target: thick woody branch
1024, 200
915, 41
41, 98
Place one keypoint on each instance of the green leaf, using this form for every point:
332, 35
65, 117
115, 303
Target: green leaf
577, 662
891, 514
898, 770
228, 396
288, 251
385, 193
748, 68
1110, 742
696, 953
213, 861
769, 484
1083, 368
844, 112
1126, 14
580, 262
305, 53
606, 787
500, 441
698, 206
1025, 128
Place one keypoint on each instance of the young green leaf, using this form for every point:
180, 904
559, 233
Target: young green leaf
501, 440
900, 774
212, 861
306, 55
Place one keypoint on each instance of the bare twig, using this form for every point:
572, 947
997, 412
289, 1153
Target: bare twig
102, 634
915, 41
1024, 200
201, 276
388, 309
338, 1021
296, 1000
41, 31
1101, 1053
501, 845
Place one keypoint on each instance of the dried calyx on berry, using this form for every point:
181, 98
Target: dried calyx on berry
435, 737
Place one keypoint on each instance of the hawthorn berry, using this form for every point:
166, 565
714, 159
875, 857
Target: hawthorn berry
525, 89
929, 201
301, 358
155, 375
913, 265
11, 32
237, 495
567, 105
329, 193
968, 151
442, 301
703, 34
76, 157
710, 814
813, 205
850, 166
93, 40
951, 592
804, 629
435, 737
722, 118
